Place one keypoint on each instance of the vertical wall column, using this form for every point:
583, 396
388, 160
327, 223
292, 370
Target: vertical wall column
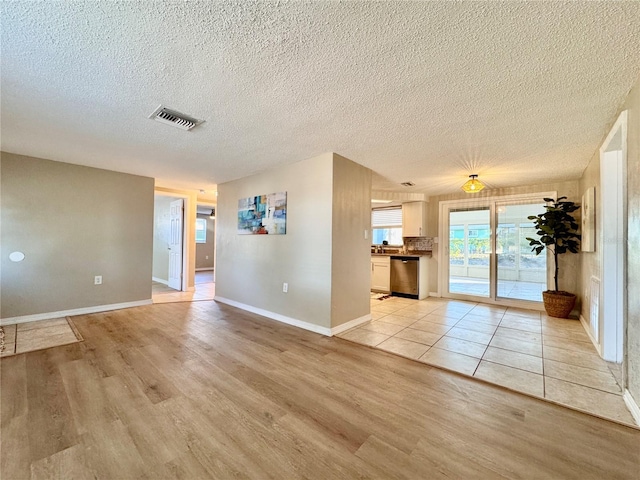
324, 257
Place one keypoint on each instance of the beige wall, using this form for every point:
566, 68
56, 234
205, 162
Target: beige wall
72, 223
633, 230
204, 250
252, 268
590, 261
350, 249
569, 263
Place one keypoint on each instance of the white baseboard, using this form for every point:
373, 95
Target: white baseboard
433, 294
632, 406
276, 316
350, 324
204, 269
76, 311
587, 329
159, 280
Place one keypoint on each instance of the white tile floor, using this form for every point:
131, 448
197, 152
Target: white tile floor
531, 291
523, 350
205, 289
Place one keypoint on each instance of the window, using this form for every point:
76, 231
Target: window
528, 259
201, 230
387, 225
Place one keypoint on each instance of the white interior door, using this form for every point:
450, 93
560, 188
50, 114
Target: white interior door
175, 244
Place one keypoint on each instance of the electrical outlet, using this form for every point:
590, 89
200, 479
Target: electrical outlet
97, 280
285, 287
206, 257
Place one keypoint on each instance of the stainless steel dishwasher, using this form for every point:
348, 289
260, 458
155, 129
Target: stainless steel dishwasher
404, 276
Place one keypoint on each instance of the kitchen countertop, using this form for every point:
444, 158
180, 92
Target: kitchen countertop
400, 255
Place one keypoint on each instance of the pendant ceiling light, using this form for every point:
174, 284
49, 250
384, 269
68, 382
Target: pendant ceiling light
473, 185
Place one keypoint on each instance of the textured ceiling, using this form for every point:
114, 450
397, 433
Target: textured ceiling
430, 92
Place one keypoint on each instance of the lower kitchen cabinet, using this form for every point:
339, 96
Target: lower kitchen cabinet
381, 274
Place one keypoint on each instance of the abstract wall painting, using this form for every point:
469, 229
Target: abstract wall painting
263, 214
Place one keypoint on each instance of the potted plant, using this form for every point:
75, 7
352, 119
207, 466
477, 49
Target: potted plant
558, 232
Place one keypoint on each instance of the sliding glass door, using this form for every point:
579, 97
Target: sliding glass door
522, 275
488, 254
469, 251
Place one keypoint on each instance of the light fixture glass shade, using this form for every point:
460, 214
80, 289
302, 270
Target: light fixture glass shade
473, 185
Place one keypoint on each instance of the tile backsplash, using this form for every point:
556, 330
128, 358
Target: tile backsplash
419, 244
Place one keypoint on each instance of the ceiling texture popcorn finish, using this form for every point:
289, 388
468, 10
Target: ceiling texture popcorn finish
517, 92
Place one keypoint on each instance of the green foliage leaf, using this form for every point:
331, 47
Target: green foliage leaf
556, 228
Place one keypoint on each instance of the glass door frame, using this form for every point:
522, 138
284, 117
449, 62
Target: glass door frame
491, 203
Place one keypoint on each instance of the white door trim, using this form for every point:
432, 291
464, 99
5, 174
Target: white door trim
613, 198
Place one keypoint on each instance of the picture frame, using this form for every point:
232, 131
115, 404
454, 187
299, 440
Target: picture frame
588, 241
263, 214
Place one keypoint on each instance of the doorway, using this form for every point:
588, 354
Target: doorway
184, 231
205, 247
487, 256
612, 306
205, 242
469, 250
168, 245
173, 232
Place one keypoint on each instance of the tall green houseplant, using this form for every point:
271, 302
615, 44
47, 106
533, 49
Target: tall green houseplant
557, 230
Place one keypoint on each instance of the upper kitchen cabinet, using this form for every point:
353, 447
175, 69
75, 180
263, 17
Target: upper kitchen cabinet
414, 219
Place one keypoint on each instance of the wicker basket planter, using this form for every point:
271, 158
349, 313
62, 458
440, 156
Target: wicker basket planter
558, 304
557, 231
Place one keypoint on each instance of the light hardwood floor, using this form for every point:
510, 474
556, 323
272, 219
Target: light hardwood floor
201, 390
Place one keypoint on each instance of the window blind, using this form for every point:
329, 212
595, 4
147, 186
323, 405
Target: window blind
386, 217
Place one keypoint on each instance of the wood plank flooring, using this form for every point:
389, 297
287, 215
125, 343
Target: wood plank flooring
202, 390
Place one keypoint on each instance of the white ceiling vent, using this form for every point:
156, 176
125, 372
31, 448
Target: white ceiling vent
175, 118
